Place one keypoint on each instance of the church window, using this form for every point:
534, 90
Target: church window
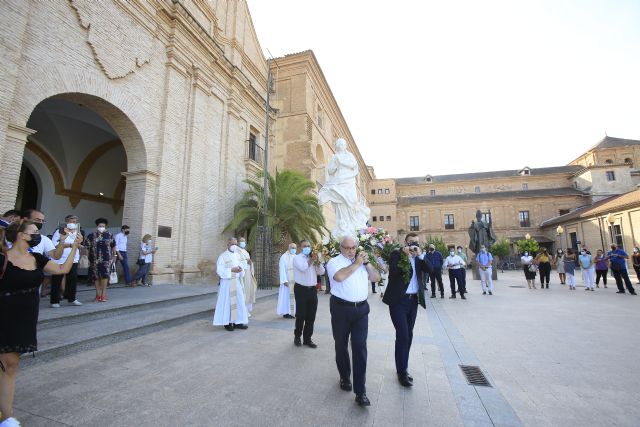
449, 223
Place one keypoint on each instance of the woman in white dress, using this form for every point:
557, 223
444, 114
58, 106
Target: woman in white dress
527, 263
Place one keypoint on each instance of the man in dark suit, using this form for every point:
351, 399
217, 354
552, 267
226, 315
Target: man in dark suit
403, 297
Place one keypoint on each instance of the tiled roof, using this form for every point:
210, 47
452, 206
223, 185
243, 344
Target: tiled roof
611, 142
495, 195
610, 204
436, 179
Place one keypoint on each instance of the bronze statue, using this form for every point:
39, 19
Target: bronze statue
480, 233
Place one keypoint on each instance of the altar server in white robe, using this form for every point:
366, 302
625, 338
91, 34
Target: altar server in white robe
286, 300
231, 311
249, 282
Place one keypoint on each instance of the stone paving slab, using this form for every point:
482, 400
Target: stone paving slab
555, 358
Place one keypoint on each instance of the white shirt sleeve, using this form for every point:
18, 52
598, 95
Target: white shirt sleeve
282, 267
55, 238
301, 262
47, 246
332, 268
319, 270
223, 272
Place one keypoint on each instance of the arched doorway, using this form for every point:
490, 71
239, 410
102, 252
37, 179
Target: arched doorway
80, 159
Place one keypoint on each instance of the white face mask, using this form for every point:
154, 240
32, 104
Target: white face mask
72, 226
526, 254
149, 242
292, 251
452, 253
233, 248
101, 229
243, 244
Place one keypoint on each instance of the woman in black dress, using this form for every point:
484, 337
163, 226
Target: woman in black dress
21, 273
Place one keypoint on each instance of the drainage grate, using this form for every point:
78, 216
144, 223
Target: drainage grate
474, 376
517, 286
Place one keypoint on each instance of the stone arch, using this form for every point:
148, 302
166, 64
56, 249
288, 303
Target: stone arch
87, 164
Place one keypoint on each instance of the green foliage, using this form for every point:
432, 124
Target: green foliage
292, 210
438, 242
501, 248
530, 245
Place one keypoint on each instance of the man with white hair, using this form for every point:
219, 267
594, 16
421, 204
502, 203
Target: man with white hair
231, 311
350, 274
286, 300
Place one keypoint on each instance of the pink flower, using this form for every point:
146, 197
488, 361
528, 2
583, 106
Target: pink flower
372, 230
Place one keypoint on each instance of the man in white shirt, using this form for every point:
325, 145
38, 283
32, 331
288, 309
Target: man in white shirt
66, 239
46, 246
350, 275
286, 300
121, 247
485, 259
455, 264
306, 268
231, 311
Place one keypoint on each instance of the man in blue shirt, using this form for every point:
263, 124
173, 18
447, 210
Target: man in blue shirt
435, 259
618, 264
484, 259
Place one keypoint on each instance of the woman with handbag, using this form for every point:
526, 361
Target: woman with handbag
102, 255
144, 261
21, 273
529, 269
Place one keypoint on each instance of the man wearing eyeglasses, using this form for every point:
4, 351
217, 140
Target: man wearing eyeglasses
350, 274
403, 297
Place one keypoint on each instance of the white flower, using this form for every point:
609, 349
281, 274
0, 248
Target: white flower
360, 248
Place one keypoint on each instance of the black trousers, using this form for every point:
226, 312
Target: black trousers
545, 272
403, 315
433, 276
603, 274
70, 285
622, 275
457, 274
306, 307
349, 320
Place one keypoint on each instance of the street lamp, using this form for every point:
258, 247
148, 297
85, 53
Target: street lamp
527, 236
560, 232
611, 220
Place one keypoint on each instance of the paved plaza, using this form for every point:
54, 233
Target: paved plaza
554, 358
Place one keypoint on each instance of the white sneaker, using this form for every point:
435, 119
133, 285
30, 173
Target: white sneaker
10, 422
52, 306
76, 302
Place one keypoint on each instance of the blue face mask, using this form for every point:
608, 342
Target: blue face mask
292, 251
242, 244
306, 250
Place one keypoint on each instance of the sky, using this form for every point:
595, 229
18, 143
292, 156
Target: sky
458, 86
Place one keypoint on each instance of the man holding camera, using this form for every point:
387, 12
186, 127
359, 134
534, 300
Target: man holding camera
403, 297
306, 268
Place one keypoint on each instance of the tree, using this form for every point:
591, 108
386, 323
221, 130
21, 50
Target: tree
528, 245
292, 210
501, 248
438, 242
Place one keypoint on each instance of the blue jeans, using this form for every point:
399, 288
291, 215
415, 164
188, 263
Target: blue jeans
142, 272
125, 266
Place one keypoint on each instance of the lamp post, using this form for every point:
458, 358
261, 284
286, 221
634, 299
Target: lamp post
527, 236
611, 220
560, 232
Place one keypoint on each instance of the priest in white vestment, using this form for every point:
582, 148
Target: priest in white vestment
231, 311
286, 300
249, 282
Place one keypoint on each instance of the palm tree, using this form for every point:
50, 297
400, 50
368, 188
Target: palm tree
291, 209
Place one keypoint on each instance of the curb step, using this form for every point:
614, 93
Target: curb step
106, 329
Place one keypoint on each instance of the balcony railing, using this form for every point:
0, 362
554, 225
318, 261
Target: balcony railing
255, 152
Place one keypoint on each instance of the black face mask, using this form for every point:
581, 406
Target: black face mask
35, 240
126, 232
38, 225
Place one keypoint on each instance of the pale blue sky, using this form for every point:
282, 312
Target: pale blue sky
439, 87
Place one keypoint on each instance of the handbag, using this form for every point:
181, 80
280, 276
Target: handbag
83, 262
113, 277
533, 268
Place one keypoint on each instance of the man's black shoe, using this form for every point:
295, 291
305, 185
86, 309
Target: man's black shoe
633, 292
463, 297
288, 316
620, 292
442, 296
228, 327
310, 344
362, 400
409, 376
241, 326
297, 341
433, 295
345, 384
490, 293
452, 297
404, 380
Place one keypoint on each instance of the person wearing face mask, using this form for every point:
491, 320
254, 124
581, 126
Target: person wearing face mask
455, 266
65, 236
435, 259
558, 261
602, 268
231, 311
570, 268
618, 264
286, 300
529, 275
543, 261
306, 268
485, 269
586, 262
144, 261
9, 217
101, 250
461, 254
121, 248
21, 273
635, 259
249, 282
